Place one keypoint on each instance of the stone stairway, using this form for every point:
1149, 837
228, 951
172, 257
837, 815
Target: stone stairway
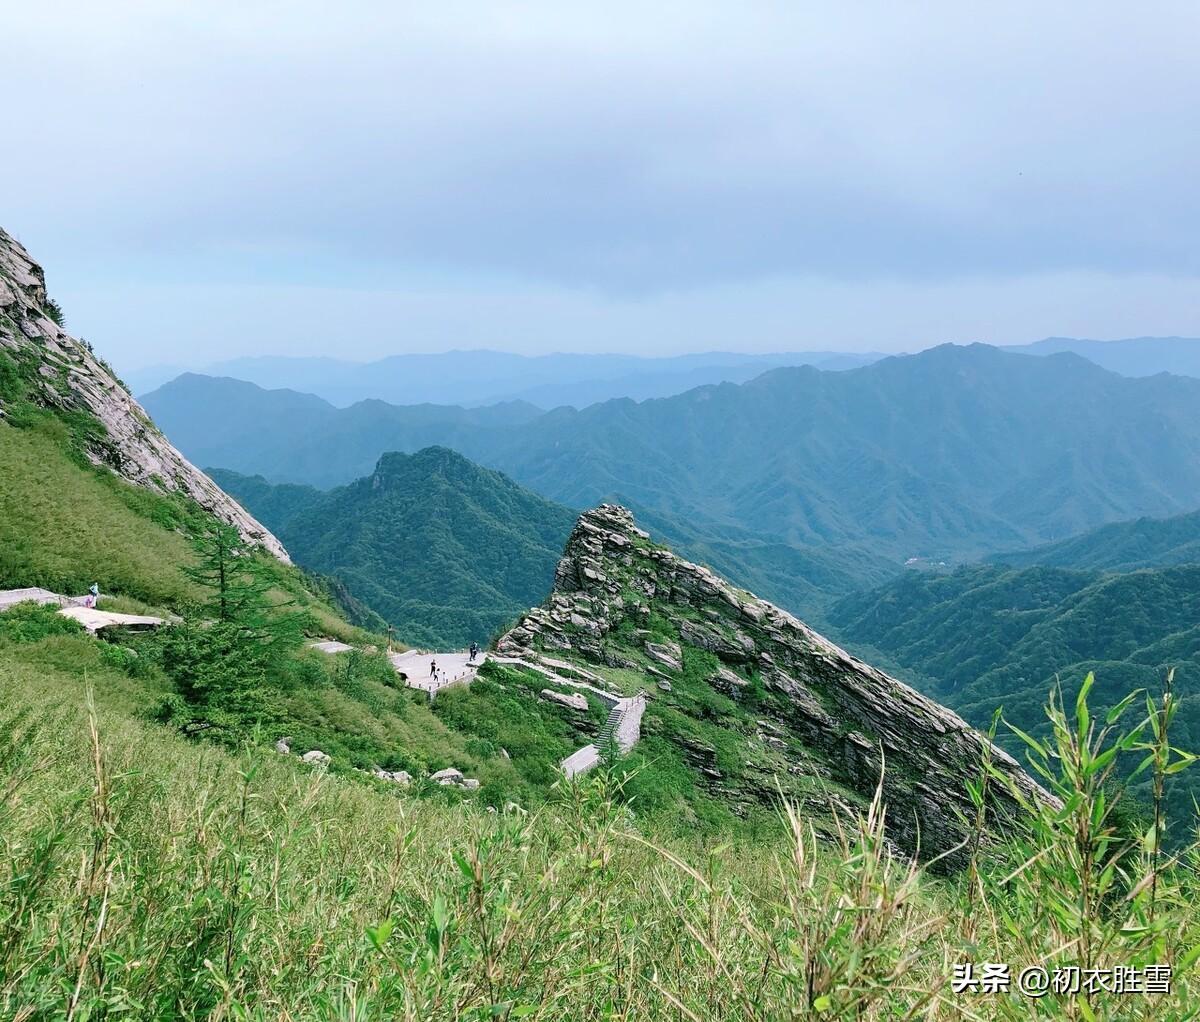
606, 733
622, 728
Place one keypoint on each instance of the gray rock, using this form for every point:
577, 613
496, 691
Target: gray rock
130, 445
402, 777
666, 653
447, 776
471, 783
282, 747
574, 701
315, 756
836, 714
665, 686
727, 680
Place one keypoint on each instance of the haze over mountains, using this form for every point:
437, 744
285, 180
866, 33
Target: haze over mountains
954, 453
486, 377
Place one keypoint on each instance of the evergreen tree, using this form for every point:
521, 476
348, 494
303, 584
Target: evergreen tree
230, 651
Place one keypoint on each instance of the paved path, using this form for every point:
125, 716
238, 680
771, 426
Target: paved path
94, 620
73, 607
452, 668
11, 597
330, 646
624, 724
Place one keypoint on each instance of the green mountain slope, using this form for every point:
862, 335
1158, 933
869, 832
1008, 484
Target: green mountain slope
1122, 546
992, 635
442, 549
285, 436
953, 453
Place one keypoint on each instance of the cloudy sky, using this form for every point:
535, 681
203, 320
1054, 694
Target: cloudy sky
207, 180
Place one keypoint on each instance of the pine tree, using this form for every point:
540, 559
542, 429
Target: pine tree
236, 588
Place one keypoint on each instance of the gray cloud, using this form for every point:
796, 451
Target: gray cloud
623, 158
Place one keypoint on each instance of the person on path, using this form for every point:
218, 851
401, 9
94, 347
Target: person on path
93, 594
433, 668
474, 651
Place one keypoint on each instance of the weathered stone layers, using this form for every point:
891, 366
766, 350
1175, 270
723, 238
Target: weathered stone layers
72, 378
845, 712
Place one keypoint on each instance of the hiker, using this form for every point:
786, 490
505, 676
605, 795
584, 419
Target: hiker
93, 594
474, 651
433, 668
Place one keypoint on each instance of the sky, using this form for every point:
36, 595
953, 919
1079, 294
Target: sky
203, 181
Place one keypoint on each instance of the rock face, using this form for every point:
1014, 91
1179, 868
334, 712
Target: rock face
819, 713
71, 378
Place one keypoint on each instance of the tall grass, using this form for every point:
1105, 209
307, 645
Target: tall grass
145, 877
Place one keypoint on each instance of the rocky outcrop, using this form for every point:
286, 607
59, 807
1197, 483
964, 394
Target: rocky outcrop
574, 701
833, 717
65, 374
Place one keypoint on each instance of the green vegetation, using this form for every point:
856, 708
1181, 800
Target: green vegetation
800, 484
989, 635
142, 876
64, 526
441, 549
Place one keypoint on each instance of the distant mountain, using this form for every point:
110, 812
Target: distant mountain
470, 378
954, 453
289, 436
1122, 546
442, 549
1134, 356
991, 635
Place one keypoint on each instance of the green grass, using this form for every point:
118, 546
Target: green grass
146, 877
64, 526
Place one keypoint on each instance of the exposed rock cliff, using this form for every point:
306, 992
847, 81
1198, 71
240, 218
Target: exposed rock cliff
806, 710
66, 375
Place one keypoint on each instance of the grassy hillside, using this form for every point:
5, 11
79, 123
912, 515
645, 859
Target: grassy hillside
64, 526
443, 550
144, 876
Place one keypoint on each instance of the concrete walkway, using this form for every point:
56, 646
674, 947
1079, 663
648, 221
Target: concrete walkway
95, 620
624, 724
11, 597
452, 669
415, 666
330, 646
74, 607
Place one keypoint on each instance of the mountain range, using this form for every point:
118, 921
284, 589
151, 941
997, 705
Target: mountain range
488, 377
953, 454
1122, 601
444, 551
472, 378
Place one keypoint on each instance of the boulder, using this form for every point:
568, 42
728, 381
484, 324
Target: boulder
402, 777
574, 701
665, 686
727, 680
471, 783
447, 776
282, 747
315, 756
666, 653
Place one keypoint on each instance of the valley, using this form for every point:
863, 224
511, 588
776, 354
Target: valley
634, 712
